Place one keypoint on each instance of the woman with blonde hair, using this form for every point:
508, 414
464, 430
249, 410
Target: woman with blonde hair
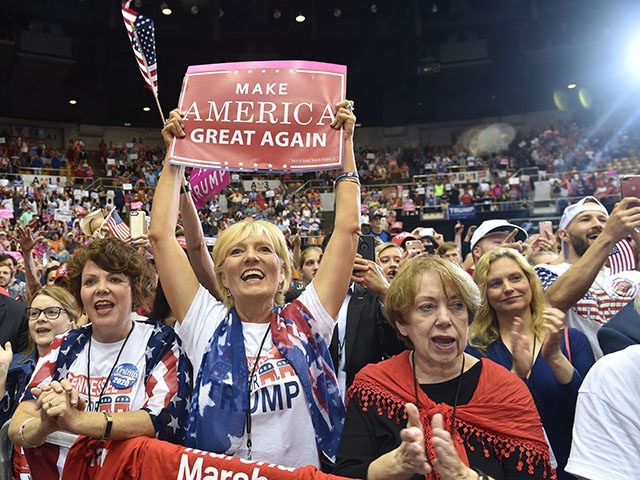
515, 328
263, 375
436, 412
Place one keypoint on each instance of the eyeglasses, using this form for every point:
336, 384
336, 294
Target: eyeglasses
50, 312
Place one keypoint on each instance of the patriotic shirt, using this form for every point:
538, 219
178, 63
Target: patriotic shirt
151, 374
282, 429
606, 297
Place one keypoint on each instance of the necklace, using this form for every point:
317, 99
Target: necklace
256, 358
110, 371
455, 401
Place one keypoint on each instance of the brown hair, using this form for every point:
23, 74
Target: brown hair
114, 256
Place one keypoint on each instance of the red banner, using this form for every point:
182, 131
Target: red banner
144, 458
205, 183
261, 116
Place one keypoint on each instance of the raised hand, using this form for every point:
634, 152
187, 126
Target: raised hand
370, 275
521, 349
344, 118
447, 462
554, 326
509, 241
173, 127
411, 455
27, 238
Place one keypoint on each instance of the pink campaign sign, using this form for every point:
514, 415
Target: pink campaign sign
261, 116
206, 183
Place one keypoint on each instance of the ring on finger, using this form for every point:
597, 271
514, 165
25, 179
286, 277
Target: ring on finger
51, 404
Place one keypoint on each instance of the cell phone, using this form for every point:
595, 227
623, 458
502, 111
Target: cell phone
138, 223
546, 229
630, 186
413, 246
366, 247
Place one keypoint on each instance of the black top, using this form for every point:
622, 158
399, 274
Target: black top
368, 435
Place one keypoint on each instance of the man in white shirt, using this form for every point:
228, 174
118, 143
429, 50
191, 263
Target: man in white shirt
583, 285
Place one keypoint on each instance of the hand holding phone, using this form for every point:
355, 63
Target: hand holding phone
546, 229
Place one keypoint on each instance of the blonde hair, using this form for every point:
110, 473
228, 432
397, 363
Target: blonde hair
251, 229
404, 288
307, 252
485, 330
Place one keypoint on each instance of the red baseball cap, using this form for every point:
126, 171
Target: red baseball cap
402, 237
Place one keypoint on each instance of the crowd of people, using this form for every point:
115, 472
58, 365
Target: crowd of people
370, 353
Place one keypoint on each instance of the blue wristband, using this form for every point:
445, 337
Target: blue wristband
344, 175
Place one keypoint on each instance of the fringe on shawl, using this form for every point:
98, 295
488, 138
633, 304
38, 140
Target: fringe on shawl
530, 453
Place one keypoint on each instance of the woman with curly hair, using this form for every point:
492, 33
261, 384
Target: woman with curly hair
114, 378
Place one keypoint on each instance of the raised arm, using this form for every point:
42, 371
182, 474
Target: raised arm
27, 241
199, 257
178, 280
575, 282
334, 273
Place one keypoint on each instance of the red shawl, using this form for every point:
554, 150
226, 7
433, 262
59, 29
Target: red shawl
501, 413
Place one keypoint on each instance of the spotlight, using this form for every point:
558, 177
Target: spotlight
165, 8
571, 86
277, 14
337, 12
194, 9
434, 8
374, 8
146, 109
300, 17
73, 101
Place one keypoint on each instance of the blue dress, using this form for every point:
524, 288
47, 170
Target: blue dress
556, 403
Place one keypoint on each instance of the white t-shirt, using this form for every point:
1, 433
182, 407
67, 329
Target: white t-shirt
606, 297
281, 426
606, 432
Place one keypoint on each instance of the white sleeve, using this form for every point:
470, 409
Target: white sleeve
606, 432
324, 321
202, 319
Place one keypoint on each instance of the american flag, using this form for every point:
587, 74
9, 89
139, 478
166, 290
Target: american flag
622, 257
118, 228
143, 41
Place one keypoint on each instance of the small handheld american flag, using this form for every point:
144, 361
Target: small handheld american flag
143, 41
117, 227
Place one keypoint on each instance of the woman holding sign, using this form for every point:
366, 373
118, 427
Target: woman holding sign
263, 378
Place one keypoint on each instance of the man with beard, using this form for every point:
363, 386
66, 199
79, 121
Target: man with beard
583, 284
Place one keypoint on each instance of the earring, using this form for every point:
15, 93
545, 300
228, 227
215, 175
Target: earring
228, 293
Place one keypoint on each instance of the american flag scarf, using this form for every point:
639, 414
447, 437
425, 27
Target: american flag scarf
225, 363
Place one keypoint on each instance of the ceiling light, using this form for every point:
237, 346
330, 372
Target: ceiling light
374, 8
337, 12
434, 8
194, 9
146, 109
571, 86
300, 17
165, 8
277, 14
73, 101
220, 13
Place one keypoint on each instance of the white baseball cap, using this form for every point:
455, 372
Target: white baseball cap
587, 204
494, 226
